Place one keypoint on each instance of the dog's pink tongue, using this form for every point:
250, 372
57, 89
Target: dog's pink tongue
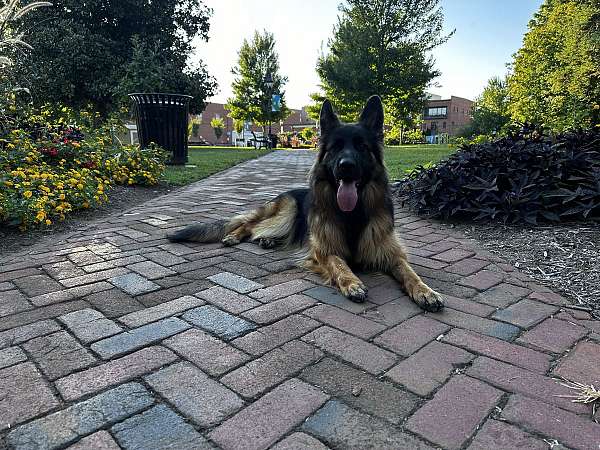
347, 197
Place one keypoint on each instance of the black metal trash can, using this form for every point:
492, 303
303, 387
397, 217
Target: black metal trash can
163, 119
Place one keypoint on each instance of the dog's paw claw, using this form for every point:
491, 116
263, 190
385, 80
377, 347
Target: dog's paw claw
230, 240
266, 243
428, 299
357, 293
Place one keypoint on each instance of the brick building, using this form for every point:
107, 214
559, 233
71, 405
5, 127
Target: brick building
296, 121
446, 116
205, 131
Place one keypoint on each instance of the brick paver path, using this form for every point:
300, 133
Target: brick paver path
111, 337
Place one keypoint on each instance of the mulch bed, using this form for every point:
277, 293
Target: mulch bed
121, 198
564, 257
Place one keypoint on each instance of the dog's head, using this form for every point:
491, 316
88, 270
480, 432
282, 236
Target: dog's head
350, 155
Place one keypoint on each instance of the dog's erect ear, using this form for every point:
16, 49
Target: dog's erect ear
328, 120
372, 115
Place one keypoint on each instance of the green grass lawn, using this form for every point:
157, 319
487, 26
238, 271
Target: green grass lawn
399, 159
209, 160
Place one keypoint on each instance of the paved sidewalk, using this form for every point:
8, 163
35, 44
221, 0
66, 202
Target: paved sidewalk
111, 337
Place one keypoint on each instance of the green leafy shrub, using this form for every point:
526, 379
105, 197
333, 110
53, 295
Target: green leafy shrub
522, 177
307, 134
392, 136
415, 136
218, 126
460, 141
49, 168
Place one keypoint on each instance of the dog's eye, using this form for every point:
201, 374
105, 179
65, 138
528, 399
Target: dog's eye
337, 145
360, 144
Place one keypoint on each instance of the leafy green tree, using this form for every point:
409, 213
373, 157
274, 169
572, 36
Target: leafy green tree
151, 69
556, 73
251, 99
89, 52
12, 39
490, 112
381, 47
218, 125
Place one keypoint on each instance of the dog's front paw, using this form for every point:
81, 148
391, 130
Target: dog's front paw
230, 240
356, 292
427, 298
266, 243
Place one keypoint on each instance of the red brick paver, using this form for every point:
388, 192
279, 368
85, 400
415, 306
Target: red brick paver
112, 337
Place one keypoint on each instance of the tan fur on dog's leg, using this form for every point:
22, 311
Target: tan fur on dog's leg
382, 250
276, 216
418, 291
335, 271
236, 236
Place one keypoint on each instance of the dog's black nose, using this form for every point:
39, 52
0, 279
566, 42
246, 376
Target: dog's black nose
346, 165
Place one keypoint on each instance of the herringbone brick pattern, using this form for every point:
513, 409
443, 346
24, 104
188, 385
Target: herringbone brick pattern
111, 337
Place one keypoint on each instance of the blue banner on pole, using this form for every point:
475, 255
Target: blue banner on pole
276, 103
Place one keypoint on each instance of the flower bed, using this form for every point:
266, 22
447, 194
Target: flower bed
49, 169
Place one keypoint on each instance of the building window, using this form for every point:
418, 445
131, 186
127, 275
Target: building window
436, 112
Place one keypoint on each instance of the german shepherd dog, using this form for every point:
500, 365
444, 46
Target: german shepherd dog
344, 219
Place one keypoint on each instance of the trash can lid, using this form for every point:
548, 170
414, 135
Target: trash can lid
159, 97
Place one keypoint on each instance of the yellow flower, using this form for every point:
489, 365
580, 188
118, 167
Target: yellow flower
80, 186
61, 196
27, 194
41, 215
48, 222
86, 205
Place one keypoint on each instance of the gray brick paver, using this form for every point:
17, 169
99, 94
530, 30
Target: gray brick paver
67, 425
139, 337
205, 401
113, 372
167, 309
89, 325
159, 428
224, 325
23, 394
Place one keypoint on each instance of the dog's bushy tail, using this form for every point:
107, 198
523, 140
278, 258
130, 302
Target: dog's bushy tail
202, 232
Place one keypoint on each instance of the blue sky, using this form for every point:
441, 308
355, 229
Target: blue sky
488, 32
